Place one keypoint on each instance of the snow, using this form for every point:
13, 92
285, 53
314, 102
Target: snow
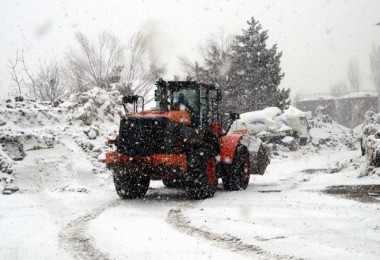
265, 121
369, 136
62, 203
266, 113
287, 139
291, 111
271, 125
326, 132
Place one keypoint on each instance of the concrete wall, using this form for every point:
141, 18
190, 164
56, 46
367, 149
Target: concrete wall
346, 111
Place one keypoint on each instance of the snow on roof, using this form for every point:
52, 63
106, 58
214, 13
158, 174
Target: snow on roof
294, 112
359, 95
269, 113
315, 97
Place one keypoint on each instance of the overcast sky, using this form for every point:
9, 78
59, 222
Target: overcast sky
317, 38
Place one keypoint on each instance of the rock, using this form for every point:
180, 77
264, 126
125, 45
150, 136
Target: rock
11, 187
19, 99
13, 147
7, 192
92, 134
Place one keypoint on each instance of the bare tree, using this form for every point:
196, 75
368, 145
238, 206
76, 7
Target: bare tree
374, 57
42, 85
15, 73
140, 72
339, 89
47, 85
215, 53
92, 65
354, 76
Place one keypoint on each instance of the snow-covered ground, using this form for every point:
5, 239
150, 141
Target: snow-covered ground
65, 206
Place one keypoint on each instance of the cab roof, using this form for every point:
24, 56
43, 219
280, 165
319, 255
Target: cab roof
185, 84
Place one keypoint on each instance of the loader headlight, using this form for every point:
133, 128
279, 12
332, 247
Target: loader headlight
183, 120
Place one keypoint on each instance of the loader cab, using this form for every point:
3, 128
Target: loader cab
200, 100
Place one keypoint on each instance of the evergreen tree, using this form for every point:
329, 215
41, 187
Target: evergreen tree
255, 73
246, 69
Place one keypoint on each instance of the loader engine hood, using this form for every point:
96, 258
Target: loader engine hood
152, 132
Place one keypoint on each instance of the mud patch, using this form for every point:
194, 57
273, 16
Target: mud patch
331, 170
312, 171
73, 189
176, 218
268, 239
362, 193
268, 191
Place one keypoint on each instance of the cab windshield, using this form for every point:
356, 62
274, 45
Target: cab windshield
185, 99
181, 99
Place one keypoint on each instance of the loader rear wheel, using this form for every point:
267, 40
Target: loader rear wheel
130, 187
201, 177
236, 176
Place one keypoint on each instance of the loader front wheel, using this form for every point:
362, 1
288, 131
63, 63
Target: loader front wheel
200, 183
130, 187
236, 176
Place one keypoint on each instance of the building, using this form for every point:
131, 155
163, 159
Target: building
347, 110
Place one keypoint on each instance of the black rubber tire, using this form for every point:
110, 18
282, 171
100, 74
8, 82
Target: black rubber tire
236, 176
129, 187
197, 186
173, 184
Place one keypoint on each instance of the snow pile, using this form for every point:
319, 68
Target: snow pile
326, 133
88, 118
274, 126
96, 105
22, 116
267, 113
291, 111
5, 173
5, 162
93, 118
261, 122
370, 142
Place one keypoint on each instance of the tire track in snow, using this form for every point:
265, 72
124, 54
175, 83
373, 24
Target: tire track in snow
74, 238
176, 218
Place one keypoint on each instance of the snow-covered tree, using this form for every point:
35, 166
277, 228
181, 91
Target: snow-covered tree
354, 76
374, 57
245, 68
255, 73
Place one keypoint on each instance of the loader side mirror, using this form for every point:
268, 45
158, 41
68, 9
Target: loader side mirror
130, 99
157, 95
234, 116
134, 101
219, 96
